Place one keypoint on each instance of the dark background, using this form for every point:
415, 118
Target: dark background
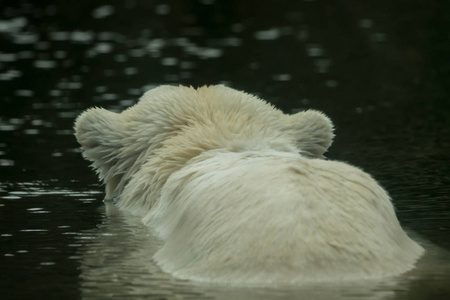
379, 69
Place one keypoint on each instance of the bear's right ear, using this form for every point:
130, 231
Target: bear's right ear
313, 132
101, 134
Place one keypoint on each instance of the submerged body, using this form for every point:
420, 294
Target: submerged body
239, 192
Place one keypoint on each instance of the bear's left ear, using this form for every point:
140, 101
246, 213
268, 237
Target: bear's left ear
312, 131
101, 137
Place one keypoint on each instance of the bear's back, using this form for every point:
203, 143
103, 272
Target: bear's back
279, 218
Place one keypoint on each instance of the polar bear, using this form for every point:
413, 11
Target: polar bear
240, 193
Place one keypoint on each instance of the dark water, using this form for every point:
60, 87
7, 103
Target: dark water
379, 69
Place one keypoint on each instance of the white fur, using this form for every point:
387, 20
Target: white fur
238, 190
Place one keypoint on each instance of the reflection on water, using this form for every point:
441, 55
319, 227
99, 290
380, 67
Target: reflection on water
113, 254
37, 223
117, 262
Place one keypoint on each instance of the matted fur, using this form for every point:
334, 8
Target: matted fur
239, 191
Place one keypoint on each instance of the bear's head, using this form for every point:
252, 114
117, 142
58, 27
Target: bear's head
193, 121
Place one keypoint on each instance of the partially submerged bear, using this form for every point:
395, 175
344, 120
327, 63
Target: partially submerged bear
240, 193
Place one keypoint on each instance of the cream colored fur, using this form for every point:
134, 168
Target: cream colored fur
239, 191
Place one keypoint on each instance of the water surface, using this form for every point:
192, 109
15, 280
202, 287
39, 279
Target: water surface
377, 68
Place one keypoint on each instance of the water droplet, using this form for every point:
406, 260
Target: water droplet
169, 61
31, 131
231, 42
8, 57
24, 93
25, 38
127, 103
86, 237
44, 64
82, 36
18, 193
69, 85
206, 53
162, 9
7, 163
109, 97
155, 45
314, 50
136, 52
282, 77
270, 34
108, 234
17, 121
10, 75
100, 89
331, 83
55, 93
74, 85
134, 92
103, 11
101, 48
13, 25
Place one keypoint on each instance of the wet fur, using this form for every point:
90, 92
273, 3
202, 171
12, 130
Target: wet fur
239, 191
